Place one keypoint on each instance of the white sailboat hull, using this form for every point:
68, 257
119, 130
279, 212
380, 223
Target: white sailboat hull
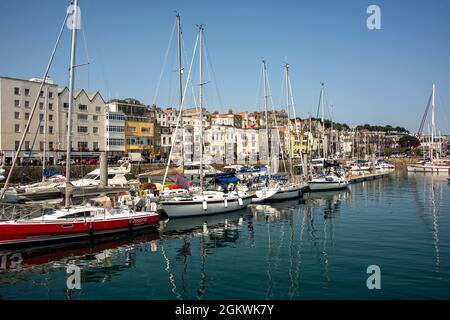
180, 209
278, 193
324, 185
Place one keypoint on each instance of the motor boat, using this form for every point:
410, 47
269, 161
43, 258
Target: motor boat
384, 165
116, 177
193, 169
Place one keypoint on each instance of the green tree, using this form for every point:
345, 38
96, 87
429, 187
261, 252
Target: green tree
408, 141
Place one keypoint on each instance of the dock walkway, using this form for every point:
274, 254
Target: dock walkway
369, 176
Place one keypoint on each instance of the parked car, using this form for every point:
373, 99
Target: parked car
90, 162
123, 160
63, 162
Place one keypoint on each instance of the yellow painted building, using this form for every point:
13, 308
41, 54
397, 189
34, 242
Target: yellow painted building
304, 143
141, 136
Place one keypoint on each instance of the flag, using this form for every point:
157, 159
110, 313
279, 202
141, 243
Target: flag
182, 181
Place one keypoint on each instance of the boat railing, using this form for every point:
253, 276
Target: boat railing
13, 212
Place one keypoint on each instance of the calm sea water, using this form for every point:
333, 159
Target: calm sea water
319, 249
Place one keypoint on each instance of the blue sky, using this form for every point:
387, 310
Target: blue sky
371, 76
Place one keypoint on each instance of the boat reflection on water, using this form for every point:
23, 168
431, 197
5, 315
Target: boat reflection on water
331, 201
275, 212
100, 260
429, 195
198, 234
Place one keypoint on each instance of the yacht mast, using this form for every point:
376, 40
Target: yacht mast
266, 113
289, 118
71, 95
322, 118
433, 124
44, 151
180, 77
201, 105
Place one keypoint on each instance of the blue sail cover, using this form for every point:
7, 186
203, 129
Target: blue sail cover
227, 179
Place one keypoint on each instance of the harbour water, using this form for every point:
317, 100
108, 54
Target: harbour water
318, 248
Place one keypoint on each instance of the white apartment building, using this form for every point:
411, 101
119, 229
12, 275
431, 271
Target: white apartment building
114, 130
247, 145
17, 98
88, 123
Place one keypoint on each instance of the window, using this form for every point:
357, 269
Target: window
132, 129
41, 95
41, 105
50, 106
50, 117
164, 140
82, 117
82, 107
16, 115
41, 130
95, 130
16, 91
115, 116
27, 145
115, 142
83, 129
50, 95
50, 145
27, 116
66, 105
16, 103
98, 109
27, 104
145, 130
17, 145
17, 128
83, 145
50, 130
41, 145
95, 118
95, 145
27, 92
115, 129
41, 116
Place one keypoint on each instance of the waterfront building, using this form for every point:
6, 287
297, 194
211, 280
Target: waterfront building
115, 131
88, 123
141, 130
17, 97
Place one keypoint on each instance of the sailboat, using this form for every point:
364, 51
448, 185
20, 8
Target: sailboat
204, 202
276, 190
435, 164
98, 217
331, 177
